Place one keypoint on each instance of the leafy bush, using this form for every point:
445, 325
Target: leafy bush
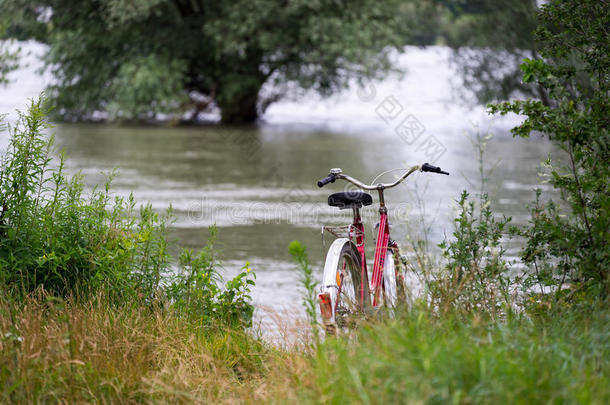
53, 235
56, 237
470, 273
194, 290
573, 71
475, 277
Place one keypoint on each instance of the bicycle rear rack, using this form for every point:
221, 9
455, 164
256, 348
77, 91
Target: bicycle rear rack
343, 231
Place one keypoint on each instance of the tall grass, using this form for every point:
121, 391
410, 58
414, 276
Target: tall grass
55, 350
422, 358
87, 351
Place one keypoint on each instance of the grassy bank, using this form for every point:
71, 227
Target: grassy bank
61, 351
91, 309
423, 359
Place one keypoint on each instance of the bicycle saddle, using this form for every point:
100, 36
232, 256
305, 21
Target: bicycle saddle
350, 199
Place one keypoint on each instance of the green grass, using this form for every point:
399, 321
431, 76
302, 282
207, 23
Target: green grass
421, 358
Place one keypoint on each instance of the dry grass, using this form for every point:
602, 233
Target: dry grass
55, 351
287, 328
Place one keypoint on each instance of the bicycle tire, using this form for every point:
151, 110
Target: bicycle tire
342, 280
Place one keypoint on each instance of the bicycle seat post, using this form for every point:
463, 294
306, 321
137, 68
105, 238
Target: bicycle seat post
356, 212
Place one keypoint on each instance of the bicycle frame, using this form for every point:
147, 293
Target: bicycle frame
383, 236
381, 248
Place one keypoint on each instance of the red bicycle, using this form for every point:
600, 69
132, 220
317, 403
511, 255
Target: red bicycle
345, 285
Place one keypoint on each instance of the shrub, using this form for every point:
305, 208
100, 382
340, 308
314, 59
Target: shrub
195, 292
55, 236
472, 275
573, 72
475, 277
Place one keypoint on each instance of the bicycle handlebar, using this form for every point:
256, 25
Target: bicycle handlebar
426, 167
337, 174
328, 179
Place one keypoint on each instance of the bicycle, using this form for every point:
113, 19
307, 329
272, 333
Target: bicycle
345, 287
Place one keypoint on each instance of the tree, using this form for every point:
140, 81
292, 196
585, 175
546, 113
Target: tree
8, 58
574, 71
137, 58
490, 38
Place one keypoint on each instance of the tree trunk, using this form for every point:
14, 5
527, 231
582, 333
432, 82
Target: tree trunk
238, 99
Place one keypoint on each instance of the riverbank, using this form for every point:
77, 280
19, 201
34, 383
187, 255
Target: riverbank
115, 325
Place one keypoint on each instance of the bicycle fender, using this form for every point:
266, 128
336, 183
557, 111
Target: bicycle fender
329, 280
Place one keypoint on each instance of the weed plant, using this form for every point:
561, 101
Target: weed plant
196, 294
54, 236
299, 254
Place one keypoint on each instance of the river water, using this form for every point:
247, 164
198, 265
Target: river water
257, 183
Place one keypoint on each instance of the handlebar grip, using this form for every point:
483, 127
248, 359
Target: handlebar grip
426, 167
328, 179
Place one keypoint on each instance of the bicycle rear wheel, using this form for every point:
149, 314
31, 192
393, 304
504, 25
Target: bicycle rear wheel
343, 285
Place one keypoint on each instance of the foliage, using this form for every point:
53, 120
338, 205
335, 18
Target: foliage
194, 290
299, 254
470, 273
54, 236
146, 85
490, 38
476, 271
140, 58
574, 71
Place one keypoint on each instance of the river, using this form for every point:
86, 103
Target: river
257, 183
